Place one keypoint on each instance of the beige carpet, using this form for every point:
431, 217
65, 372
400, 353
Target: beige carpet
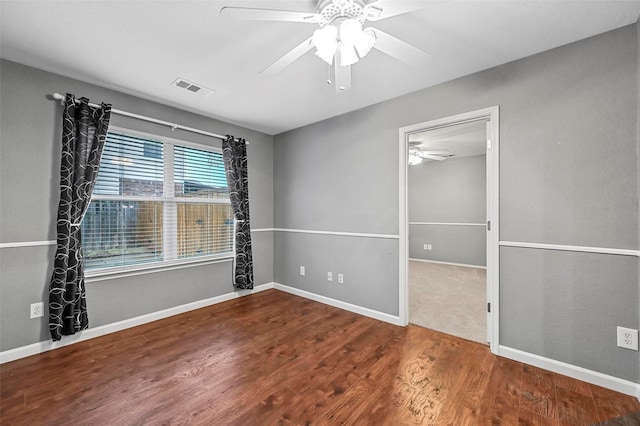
449, 298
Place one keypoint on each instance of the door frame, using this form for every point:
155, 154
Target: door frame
492, 115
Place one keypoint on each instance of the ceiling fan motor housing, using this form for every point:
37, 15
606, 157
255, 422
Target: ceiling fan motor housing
335, 10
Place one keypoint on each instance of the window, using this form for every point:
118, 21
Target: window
155, 203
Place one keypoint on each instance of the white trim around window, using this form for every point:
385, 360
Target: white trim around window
163, 204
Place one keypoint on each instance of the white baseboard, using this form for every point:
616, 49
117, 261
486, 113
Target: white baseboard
395, 320
90, 333
447, 263
614, 383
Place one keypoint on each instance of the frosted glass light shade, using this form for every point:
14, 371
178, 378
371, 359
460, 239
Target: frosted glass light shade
326, 55
414, 160
365, 42
348, 55
350, 31
326, 42
352, 34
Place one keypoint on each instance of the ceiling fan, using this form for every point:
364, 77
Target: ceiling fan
341, 39
417, 154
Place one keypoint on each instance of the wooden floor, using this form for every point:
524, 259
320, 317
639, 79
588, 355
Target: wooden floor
274, 358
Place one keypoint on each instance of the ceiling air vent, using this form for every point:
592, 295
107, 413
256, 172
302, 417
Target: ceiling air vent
192, 87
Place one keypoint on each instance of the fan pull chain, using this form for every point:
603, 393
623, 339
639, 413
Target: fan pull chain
329, 74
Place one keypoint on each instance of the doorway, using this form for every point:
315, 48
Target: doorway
450, 232
446, 197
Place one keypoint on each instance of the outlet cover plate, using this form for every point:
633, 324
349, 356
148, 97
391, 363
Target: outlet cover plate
627, 338
37, 310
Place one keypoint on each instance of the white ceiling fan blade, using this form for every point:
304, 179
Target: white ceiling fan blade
381, 9
401, 50
288, 58
252, 14
430, 157
436, 152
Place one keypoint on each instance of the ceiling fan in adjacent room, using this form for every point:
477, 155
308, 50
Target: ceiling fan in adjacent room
342, 39
417, 154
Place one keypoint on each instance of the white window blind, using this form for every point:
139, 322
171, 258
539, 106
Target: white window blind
156, 202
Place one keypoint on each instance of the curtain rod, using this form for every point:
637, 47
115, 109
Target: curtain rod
173, 126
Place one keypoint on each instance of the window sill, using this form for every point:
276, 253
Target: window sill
115, 273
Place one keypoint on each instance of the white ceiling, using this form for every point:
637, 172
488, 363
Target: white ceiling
141, 47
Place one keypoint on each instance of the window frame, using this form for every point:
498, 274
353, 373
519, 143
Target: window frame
166, 199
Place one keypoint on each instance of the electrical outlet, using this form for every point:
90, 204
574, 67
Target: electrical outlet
37, 310
341, 278
302, 271
329, 276
427, 246
628, 338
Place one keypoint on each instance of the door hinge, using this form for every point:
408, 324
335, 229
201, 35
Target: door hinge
488, 225
489, 307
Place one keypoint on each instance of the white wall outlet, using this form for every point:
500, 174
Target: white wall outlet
427, 246
302, 270
341, 278
329, 276
628, 338
37, 310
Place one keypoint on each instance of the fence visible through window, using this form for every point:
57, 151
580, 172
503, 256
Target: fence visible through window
141, 214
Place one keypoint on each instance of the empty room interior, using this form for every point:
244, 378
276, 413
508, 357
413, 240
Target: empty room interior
447, 210
374, 212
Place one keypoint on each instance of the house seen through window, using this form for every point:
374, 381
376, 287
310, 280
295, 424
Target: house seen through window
156, 201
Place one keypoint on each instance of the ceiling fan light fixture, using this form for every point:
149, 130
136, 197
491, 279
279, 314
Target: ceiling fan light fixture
348, 55
350, 31
326, 42
326, 55
372, 12
414, 160
341, 40
365, 42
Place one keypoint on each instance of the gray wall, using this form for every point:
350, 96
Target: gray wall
568, 175
450, 191
638, 148
29, 179
370, 278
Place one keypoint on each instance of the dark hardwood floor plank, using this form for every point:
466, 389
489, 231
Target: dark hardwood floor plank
273, 358
572, 384
611, 404
465, 406
504, 389
575, 408
528, 418
538, 392
342, 371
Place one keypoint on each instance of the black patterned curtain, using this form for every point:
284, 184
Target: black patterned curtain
84, 130
234, 153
